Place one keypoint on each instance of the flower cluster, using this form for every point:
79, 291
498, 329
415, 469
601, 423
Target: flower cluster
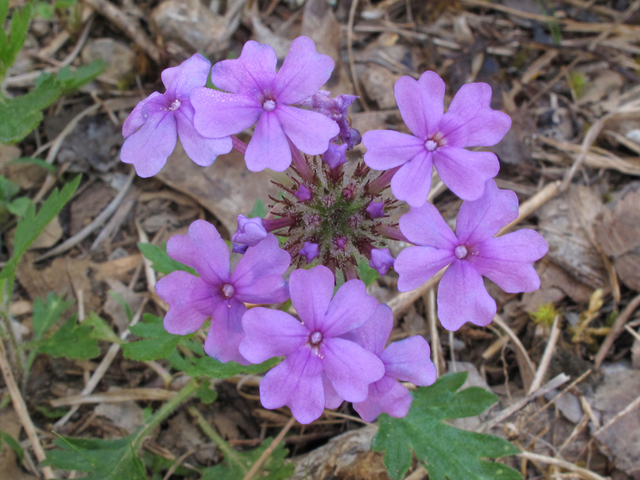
331, 216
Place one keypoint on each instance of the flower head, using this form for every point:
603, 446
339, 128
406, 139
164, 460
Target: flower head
470, 253
255, 92
438, 139
407, 360
320, 368
217, 292
151, 129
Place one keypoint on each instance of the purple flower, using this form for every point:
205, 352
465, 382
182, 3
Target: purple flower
407, 360
218, 293
375, 209
303, 194
439, 139
470, 253
336, 109
250, 231
381, 260
335, 155
258, 93
152, 127
320, 368
310, 251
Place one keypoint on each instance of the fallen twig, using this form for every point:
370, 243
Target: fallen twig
265, 455
616, 330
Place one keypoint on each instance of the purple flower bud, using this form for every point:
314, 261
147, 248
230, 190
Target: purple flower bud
250, 231
376, 209
381, 260
239, 248
303, 194
341, 242
336, 155
310, 251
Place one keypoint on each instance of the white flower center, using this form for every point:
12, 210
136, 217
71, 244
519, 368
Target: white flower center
269, 105
461, 252
431, 145
315, 338
228, 290
176, 104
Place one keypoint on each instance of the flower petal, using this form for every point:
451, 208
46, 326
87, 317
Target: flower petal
190, 302
311, 292
148, 148
350, 308
201, 150
465, 172
268, 148
350, 368
297, 383
462, 297
258, 275
483, 218
182, 80
387, 149
331, 398
425, 226
220, 114
416, 265
373, 335
271, 333
508, 260
252, 72
310, 131
386, 395
226, 333
409, 360
413, 181
421, 103
136, 118
470, 121
303, 72
202, 249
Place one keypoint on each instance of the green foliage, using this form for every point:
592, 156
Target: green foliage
578, 82
545, 314
446, 452
210, 367
20, 115
75, 340
236, 464
367, 274
11, 443
101, 459
46, 314
552, 21
45, 10
33, 161
11, 42
259, 209
206, 394
156, 342
8, 204
162, 263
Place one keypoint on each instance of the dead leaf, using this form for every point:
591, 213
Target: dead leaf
49, 236
126, 415
113, 308
25, 175
378, 83
88, 205
10, 424
555, 284
226, 188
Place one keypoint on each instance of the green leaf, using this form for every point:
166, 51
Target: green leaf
206, 394
72, 340
31, 226
157, 343
236, 464
49, 413
210, 367
101, 329
162, 263
70, 80
43, 10
123, 303
47, 314
101, 459
12, 444
367, 274
8, 189
259, 209
446, 452
19, 206
11, 46
33, 161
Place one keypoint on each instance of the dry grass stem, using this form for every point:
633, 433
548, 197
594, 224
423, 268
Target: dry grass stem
116, 396
547, 356
581, 472
267, 453
616, 330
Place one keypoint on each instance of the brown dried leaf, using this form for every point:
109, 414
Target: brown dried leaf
10, 424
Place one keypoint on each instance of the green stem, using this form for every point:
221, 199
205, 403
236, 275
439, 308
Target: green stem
188, 390
229, 453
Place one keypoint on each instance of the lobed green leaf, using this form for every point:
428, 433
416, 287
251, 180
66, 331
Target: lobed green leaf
157, 343
162, 263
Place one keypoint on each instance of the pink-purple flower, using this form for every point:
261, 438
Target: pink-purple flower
217, 292
439, 139
320, 369
336, 109
151, 129
407, 360
470, 253
253, 91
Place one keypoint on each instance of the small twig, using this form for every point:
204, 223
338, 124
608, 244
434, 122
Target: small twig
22, 412
352, 62
265, 455
581, 472
518, 344
616, 330
432, 317
115, 396
546, 357
94, 225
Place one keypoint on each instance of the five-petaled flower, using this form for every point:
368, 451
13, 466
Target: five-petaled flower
151, 129
438, 140
320, 369
255, 92
218, 293
470, 253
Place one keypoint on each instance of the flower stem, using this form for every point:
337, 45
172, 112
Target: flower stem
301, 165
382, 181
392, 233
238, 144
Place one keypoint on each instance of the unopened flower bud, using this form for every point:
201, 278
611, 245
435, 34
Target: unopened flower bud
303, 194
335, 155
309, 251
381, 260
376, 209
250, 231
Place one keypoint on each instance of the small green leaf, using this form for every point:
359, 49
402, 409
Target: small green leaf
367, 274
210, 367
8, 189
47, 314
101, 329
43, 10
19, 206
445, 451
259, 209
53, 414
12, 444
157, 343
123, 303
72, 340
236, 465
19, 26
206, 394
33, 161
162, 263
